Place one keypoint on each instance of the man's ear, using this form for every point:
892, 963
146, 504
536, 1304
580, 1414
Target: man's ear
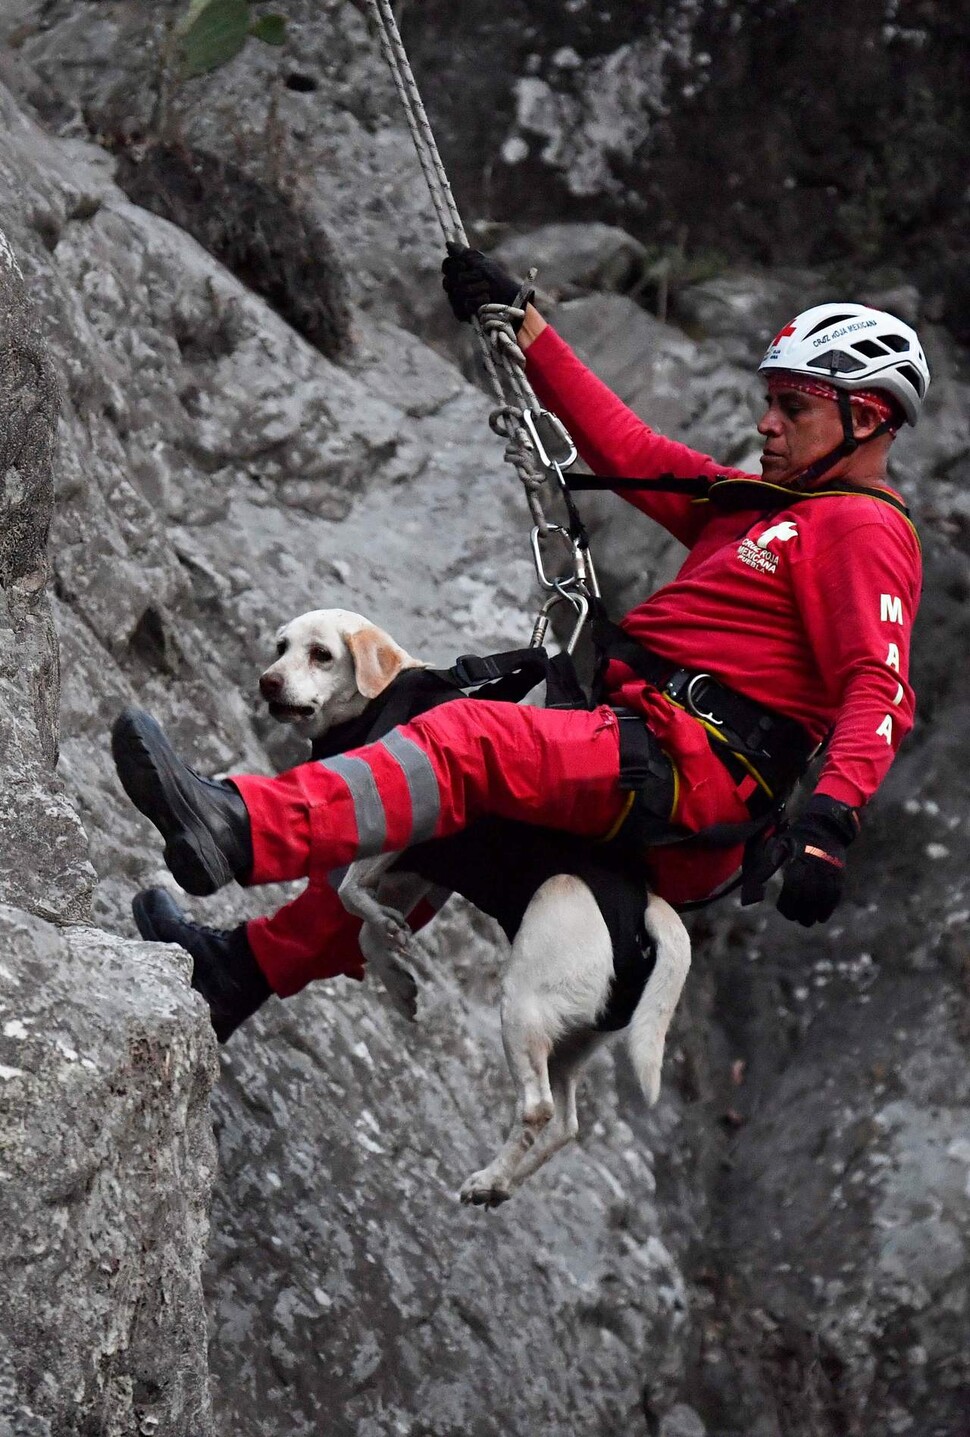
377, 660
864, 420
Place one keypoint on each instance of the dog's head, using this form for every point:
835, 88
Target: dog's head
331, 664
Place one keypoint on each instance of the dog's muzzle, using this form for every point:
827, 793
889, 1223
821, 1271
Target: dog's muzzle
289, 711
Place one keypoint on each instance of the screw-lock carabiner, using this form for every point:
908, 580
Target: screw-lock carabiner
577, 601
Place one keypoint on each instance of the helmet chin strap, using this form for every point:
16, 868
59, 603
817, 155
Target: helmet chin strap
848, 445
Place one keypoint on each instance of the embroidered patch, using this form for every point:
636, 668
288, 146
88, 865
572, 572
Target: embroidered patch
756, 553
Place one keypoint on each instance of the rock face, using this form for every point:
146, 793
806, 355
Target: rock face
218, 474
772, 133
105, 1059
106, 1164
781, 1248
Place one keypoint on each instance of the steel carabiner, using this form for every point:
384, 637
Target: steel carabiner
531, 419
579, 602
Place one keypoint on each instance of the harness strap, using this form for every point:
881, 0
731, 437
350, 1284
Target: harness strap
733, 494
509, 676
778, 747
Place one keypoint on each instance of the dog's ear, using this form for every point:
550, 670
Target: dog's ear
377, 660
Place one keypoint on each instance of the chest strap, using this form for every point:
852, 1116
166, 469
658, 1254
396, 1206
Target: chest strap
735, 495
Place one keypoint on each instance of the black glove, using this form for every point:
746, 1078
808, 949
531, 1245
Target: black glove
471, 279
814, 860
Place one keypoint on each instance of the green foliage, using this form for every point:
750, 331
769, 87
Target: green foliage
271, 29
212, 32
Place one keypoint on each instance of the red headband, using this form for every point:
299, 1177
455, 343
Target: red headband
884, 407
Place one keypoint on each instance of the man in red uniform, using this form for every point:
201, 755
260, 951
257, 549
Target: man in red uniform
789, 621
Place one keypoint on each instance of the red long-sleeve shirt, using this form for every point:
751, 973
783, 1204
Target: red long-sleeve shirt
808, 610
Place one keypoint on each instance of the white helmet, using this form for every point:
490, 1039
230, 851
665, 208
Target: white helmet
854, 347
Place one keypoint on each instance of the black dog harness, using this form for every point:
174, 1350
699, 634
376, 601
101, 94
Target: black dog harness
499, 864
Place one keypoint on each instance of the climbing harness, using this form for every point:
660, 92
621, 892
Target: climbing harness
538, 445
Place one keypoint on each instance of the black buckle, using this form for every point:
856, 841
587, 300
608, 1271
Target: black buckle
676, 683
685, 687
470, 670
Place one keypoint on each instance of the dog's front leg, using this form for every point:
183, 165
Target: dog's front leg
360, 894
385, 937
399, 982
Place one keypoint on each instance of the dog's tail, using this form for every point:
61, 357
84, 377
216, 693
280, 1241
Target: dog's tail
651, 1017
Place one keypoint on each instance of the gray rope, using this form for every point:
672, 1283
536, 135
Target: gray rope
503, 360
429, 157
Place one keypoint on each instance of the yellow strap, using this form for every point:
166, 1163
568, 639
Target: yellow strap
797, 497
631, 799
615, 827
710, 729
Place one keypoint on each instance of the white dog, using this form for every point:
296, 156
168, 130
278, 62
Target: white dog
331, 664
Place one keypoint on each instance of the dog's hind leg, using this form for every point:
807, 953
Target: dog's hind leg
557, 981
527, 1050
565, 1067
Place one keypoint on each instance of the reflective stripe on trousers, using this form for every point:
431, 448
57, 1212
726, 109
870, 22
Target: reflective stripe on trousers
430, 778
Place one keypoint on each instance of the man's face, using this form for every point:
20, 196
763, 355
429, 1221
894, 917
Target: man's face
797, 429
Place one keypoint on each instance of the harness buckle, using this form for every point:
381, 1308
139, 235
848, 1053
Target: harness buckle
473, 669
690, 703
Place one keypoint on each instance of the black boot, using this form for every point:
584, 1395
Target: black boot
224, 970
203, 821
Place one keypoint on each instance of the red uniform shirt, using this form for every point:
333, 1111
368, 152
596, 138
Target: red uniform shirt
808, 610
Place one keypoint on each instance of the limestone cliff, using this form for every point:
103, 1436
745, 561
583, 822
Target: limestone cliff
781, 1248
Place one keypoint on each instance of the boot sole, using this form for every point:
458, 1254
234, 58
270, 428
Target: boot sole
148, 769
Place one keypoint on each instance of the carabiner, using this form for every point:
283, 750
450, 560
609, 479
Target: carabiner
578, 601
574, 554
531, 419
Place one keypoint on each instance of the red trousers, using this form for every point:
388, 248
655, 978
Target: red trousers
433, 776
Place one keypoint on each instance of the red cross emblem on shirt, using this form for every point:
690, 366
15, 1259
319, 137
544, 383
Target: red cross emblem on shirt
782, 334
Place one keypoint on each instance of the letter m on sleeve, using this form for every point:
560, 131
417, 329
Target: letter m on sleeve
890, 609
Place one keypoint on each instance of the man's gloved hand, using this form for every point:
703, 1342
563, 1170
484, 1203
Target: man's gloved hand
471, 279
814, 861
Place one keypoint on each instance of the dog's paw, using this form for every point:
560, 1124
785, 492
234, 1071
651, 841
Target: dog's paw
396, 931
484, 1189
401, 986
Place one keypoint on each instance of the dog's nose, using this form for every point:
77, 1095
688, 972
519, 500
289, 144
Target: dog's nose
270, 684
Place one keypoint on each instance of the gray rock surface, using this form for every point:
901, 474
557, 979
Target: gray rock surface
571, 258
219, 474
105, 1171
105, 1059
780, 1249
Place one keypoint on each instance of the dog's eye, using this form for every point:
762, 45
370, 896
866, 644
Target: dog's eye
281, 648
320, 655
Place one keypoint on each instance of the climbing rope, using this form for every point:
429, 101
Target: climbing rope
529, 430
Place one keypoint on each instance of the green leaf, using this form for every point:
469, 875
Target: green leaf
211, 33
271, 29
